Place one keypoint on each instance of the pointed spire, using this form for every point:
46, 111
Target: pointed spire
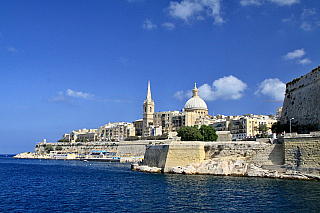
195, 90
149, 93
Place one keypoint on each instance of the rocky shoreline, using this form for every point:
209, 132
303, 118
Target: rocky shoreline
232, 168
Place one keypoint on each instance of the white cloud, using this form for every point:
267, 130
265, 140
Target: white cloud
260, 2
295, 54
285, 2
57, 99
148, 25
289, 20
75, 94
226, 88
306, 26
169, 26
304, 61
184, 10
68, 96
251, 2
307, 13
189, 10
11, 49
309, 19
218, 20
179, 95
14, 50
273, 88
122, 60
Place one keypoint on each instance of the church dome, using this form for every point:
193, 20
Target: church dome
195, 103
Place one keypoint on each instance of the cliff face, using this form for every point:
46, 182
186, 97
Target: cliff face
302, 100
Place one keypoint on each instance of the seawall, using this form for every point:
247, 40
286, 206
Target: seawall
302, 151
240, 158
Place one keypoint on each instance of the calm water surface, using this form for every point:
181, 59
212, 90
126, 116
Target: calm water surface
74, 186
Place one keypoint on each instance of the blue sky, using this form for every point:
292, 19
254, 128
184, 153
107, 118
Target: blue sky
67, 65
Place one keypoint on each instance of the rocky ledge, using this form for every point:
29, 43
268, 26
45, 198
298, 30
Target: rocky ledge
236, 167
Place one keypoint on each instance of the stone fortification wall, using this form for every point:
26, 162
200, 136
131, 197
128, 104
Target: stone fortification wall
156, 156
257, 153
174, 154
181, 154
78, 147
224, 136
184, 153
123, 148
302, 100
132, 148
302, 150
239, 158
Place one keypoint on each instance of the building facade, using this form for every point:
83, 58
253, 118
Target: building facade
82, 135
244, 126
116, 131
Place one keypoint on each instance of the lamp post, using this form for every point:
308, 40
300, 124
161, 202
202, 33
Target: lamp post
290, 123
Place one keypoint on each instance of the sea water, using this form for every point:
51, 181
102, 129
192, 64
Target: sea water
32, 185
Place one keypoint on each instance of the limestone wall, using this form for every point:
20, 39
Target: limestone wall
156, 156
257, 153
134, 148
224, 136
302, 150
79, 147
302, 100
184, 153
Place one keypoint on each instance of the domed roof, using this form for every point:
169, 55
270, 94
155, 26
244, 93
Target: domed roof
195, 102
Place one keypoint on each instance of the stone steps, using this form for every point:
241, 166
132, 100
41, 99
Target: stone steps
270, 155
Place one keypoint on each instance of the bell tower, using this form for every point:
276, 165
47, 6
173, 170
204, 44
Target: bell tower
148, 110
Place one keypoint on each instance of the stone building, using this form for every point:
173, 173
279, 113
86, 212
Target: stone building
302, 103
245, 125
115, 131
195, 112
82, 134
148, 110
138, 125
169, 120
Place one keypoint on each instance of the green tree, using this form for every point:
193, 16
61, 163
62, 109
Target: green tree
58, 148
63, 140
48, 148
205, 133
263, 129
208, 133
188, 133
